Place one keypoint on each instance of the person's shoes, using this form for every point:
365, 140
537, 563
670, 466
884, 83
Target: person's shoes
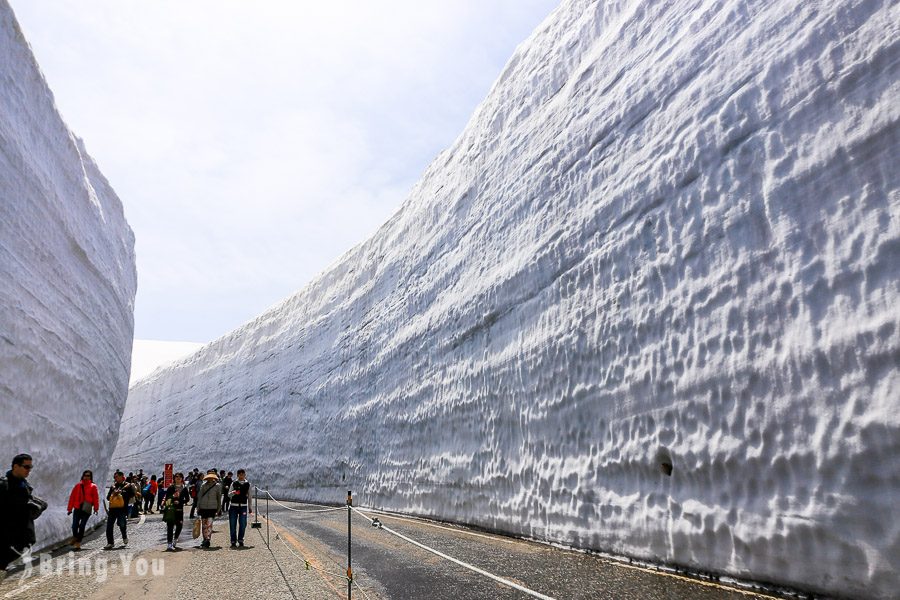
124, 541
170, 547
234, 544
108, 547
241, 543
76, 544
205, 544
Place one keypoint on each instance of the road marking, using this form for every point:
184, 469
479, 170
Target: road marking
421, 521
304, 552
690, 580
611, 562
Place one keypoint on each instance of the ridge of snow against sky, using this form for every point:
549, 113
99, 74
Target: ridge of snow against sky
253, 143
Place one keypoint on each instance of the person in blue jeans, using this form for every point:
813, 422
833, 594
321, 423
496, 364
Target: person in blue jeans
240, 506
117, 497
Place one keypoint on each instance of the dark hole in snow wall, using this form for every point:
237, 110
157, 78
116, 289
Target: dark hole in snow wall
664, 460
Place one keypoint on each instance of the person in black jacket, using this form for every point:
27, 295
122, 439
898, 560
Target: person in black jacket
16, 516
226, 489
240, 505
118, 496
177, 495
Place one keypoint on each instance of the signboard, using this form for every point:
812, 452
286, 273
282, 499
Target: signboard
168, 478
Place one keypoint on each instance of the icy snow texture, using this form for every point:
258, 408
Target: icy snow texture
67, 284
670, 234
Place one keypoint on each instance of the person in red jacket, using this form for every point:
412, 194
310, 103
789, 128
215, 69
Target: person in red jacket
83, 498
150, 494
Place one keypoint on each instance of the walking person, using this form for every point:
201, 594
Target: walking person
19, 507
226, 491
195, 485
130, 504
240, 506
177, 495
161, 492
150, 494
209, 504
119, 496
84, 499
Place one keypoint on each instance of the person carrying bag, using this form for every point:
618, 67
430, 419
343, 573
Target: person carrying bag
84, 499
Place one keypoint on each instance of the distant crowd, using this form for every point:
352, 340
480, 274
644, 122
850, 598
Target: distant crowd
210, 495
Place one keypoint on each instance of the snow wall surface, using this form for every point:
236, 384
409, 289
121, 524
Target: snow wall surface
67, 285
669, 235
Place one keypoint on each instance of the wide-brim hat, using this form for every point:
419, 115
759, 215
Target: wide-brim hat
210, 476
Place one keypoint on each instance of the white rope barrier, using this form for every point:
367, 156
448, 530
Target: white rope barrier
329, 509
496, 578
308, 564
427, 523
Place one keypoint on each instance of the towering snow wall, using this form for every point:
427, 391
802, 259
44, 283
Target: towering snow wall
669, 236
67, 284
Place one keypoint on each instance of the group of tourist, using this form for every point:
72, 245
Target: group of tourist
210, 495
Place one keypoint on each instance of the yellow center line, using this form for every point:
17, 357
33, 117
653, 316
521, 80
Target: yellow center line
308, 554
691, 580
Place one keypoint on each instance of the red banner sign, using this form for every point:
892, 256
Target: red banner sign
168, 476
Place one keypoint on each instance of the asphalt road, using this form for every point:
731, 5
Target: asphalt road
386, 566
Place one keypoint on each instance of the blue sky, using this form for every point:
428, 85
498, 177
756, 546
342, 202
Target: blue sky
253, 143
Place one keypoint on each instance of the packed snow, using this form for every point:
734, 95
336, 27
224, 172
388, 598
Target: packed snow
67, 286
647, 303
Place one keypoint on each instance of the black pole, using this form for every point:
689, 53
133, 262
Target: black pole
256, 500
349, 569
267, 520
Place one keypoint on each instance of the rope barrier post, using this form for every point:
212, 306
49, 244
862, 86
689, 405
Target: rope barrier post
267, 521
349, 569
256, 524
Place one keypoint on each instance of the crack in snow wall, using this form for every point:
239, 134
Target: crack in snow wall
67, 286
668, 241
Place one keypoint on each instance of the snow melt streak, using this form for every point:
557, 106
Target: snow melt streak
67, 284
670, 235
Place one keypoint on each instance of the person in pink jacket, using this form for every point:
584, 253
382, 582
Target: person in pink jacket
84, 497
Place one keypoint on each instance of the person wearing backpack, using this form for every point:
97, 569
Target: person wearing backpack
19, 507
85, 497
209, 504
120, 493
177, 495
